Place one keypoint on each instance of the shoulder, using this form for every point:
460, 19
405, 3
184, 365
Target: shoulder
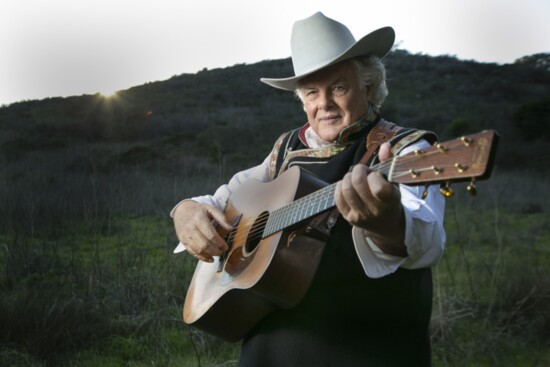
279, 150
401, 137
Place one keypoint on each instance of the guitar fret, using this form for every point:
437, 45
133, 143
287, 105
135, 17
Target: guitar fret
280, 219
319, 202
301, 209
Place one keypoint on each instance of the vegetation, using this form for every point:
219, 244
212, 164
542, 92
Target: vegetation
87, 272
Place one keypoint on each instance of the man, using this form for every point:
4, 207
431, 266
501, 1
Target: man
370, 301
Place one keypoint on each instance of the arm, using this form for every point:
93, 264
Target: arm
393, 226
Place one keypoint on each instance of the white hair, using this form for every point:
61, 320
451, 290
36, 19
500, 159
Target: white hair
372, 74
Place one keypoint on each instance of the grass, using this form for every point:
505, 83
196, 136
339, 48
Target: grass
109, 291
492, 290
112, 297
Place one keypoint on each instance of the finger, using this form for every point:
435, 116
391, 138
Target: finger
385, 153
193, 253
200, 246
211, 236
360, 182
380, 189
354, 205
348, 192
214, 246
205, 258
341, 203
219, 217
200, 229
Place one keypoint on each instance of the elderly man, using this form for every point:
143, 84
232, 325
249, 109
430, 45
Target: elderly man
369, 303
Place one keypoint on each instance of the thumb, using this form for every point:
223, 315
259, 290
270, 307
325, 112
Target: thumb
385, 152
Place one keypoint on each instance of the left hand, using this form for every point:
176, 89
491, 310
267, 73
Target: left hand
367, 200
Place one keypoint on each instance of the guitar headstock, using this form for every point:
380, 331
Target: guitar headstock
468, 158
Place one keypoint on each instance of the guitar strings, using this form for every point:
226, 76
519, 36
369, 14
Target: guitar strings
258, 224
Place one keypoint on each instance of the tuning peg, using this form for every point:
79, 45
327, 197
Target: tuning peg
446, 190
466, 141
471, 188
460, 168
425, 192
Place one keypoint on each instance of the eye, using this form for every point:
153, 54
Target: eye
339, 89
311, 93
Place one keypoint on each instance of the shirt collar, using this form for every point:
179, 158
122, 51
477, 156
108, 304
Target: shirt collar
311, 140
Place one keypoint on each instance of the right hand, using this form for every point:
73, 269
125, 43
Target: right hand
196, 226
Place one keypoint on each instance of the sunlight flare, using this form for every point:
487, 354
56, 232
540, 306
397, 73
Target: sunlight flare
109, 93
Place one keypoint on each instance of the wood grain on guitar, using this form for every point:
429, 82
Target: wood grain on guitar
280, 230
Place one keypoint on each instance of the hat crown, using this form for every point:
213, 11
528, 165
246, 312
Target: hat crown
316, 41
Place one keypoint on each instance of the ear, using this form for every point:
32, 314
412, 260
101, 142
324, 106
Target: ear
367, 92
367, 88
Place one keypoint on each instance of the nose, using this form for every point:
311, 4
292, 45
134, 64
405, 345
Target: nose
325, 101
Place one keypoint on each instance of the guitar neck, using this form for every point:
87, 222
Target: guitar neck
468, 158
301, 209
308, 206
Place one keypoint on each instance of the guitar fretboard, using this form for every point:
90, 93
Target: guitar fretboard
301, 209
310, 205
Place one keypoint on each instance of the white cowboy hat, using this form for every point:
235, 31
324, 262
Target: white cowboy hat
318, 41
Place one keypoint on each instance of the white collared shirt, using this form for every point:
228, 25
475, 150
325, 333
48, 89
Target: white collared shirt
424, 233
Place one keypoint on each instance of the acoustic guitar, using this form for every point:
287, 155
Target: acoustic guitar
280, 228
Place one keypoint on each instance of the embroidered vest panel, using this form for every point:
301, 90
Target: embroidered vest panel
289, 150
346, 318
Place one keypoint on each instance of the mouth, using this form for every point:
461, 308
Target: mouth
329, 119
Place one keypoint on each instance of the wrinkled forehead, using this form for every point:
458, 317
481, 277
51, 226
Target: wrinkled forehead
344, 70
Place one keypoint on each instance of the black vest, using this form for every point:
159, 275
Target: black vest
346, 318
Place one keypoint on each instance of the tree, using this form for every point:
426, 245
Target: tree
533, 120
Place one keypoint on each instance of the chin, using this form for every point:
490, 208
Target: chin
330, 136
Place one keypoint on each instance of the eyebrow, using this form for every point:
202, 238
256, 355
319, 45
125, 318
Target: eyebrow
338, 80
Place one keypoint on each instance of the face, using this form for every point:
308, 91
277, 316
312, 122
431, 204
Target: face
333, 99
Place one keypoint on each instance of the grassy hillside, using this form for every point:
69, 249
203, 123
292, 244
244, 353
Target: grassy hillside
87, 273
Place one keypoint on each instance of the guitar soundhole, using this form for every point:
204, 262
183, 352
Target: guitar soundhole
256, 233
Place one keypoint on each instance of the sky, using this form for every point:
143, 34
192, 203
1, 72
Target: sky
59, 48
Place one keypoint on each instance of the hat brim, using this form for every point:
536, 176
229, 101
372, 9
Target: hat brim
378, 43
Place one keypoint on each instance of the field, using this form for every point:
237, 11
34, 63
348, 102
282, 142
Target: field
87, 273
108, 291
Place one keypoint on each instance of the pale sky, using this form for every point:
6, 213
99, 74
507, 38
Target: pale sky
52, 48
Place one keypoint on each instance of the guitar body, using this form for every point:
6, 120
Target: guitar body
228, 297
279, 234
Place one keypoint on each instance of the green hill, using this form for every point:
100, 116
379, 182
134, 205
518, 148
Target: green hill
211, 111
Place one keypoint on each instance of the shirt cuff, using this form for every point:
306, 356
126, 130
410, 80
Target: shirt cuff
179, 248
376, 263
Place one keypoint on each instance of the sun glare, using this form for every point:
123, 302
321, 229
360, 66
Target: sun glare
108, 93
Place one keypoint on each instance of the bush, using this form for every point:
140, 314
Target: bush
533, 120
